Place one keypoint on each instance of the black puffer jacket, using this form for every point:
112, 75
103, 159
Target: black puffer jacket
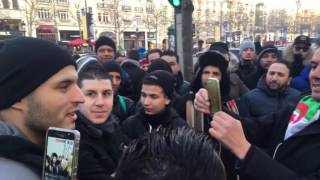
262, 101
100, 148
141, 123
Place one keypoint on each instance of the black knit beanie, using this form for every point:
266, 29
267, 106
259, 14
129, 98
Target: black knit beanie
111, 66
267, 49
163, 79
159, 64
26, 63
104, 40
220, 46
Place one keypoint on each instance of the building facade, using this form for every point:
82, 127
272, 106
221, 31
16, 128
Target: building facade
132, 24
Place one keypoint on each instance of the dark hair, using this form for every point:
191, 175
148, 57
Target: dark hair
285, 63
133, 54
154, 51
54, 155
171, 154
171, 53
92, 74
159, 64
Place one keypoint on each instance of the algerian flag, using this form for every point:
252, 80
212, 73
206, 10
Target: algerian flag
306, 112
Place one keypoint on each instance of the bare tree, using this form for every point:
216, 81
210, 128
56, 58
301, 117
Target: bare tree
31, 14
156, 17
118, 20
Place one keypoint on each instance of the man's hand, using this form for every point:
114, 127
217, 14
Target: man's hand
201, 101
229, 132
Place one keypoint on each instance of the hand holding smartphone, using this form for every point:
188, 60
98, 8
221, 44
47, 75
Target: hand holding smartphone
61, 154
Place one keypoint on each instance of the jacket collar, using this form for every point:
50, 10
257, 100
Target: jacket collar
97, 130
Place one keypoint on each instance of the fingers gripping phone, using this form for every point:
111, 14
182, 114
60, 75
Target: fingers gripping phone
61, 154
213, 87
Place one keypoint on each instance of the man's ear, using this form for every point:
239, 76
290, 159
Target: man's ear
20, 105
168, 101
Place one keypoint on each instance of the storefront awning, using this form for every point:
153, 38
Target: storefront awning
46, 28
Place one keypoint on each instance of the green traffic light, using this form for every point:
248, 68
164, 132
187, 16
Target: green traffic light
176, 2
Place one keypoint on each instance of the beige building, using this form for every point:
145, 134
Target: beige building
11, 19
221, 20
130, 23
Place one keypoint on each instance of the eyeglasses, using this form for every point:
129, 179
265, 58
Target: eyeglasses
303, 48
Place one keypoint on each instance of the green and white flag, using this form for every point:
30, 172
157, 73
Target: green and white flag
306, 112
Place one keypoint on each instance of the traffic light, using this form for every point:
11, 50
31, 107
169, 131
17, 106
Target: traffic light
175, 3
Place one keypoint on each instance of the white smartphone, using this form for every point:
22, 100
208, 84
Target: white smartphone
61, 154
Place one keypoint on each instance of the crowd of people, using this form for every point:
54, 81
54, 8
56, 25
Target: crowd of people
132, 114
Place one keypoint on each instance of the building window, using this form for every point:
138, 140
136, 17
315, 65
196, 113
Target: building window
43, 14
5, 4
139, 20
126, 8
138, 9
103, 18
63, 16
15, 4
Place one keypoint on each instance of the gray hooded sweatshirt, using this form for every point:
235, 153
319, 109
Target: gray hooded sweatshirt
11, 169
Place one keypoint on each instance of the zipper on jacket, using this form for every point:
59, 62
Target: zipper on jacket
275, 151
150, 127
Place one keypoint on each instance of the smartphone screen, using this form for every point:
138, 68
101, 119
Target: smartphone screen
59, 156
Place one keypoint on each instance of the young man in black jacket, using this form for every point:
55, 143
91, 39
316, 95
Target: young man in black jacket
38, 90
101, 137
157, 93
293, 138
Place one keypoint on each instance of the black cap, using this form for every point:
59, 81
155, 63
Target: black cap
163, 79
302, 39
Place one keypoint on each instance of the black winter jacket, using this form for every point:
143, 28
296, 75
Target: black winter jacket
100, 148
296, 158
141, 123
182, 87
248, 73
262, 101
123, 107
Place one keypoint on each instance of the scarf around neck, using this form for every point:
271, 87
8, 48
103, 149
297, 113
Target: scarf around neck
306, 112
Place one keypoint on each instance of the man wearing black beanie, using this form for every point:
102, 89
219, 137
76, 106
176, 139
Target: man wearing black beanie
105, 49
38, 89
157, 93
123, 107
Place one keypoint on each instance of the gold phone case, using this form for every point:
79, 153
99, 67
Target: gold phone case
213, 87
